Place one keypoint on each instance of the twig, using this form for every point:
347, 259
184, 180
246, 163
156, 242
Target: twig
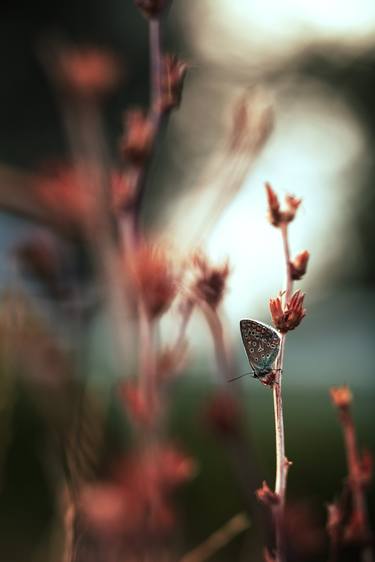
220, 538
282, 463
359, 517
222, 353
155, 112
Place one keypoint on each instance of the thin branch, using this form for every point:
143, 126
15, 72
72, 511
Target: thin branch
282, 463
155, 112
220, 538
359, 514
156, 64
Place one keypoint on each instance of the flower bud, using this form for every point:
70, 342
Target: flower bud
298, 266
173, 76
210, 283
341, 396
276, 216
267, 496
288, 318
136, 143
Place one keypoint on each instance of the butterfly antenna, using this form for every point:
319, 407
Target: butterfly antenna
240, 377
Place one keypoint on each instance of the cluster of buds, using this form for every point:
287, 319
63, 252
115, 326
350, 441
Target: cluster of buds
289, 317
276, 216
154, 279
210, 282
173, 76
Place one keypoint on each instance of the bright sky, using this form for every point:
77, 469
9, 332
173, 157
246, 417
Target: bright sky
314, 152
238, 30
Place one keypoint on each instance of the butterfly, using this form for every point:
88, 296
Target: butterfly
262, 345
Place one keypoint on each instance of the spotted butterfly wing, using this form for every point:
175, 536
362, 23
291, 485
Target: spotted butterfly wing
262, 345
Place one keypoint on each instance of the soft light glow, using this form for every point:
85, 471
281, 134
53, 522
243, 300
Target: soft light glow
316, 142
248, 32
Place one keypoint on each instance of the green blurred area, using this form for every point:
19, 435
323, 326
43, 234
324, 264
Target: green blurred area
30, 477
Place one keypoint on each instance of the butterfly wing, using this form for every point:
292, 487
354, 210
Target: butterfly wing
262, 345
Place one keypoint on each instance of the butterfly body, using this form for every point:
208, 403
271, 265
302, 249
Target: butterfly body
262, 345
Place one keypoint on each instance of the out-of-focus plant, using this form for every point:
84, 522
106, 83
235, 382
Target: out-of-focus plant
122, 508
347, 523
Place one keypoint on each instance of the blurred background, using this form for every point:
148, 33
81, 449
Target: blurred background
314, 64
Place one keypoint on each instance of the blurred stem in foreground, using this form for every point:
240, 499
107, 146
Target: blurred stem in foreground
356, 530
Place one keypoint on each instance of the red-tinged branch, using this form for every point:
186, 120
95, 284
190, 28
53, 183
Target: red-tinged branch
358, 528
219, 539
147, 359
282, 463
155, 113
288, 277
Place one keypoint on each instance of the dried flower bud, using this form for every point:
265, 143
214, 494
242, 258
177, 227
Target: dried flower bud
173, 76
341, 396
210, 281
154, 279
267, 496
291, 316
292, 204
137, 140
299, 265
275, 215
85, 72
151, 8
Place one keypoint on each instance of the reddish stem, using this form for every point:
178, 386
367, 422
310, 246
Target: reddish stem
355, 482
282, 463
155, 111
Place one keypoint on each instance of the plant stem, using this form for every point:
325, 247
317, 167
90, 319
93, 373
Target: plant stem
288, 277
156, 64
155, 112
220, 538
224, 361
355, 483
282, 463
